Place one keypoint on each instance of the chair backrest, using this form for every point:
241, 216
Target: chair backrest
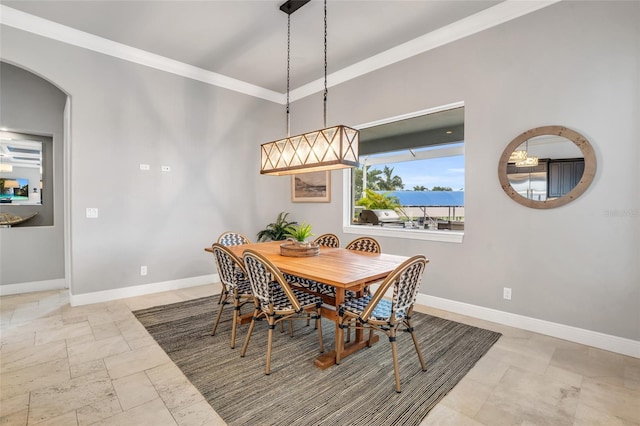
367, 244
262, 274
230, 267
230, 238
328, 240
406, 280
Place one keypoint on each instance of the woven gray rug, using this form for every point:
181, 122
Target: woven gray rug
359, 391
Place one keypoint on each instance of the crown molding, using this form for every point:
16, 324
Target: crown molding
33, 24
488, 18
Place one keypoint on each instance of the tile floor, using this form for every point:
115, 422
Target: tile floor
96, 365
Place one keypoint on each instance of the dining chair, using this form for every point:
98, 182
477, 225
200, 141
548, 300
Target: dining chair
236, 289
276, 301
366, 244
231, 238
328, 240
374, 313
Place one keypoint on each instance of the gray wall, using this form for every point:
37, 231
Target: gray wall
35, 252
122, 115
574, 63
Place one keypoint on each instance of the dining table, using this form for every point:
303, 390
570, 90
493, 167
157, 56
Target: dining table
345, 270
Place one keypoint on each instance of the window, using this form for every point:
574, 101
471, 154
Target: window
410, 182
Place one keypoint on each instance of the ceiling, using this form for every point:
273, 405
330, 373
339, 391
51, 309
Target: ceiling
247, 40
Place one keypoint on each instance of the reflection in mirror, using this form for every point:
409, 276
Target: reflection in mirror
547, 167
543, 167
20, 171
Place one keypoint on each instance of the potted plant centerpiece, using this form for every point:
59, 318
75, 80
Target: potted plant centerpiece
300, 233
297, 244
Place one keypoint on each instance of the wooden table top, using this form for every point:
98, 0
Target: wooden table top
335, 266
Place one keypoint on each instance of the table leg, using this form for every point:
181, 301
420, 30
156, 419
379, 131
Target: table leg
328, 359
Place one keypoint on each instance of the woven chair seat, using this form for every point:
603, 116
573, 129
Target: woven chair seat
240, 276
317, 287
382, 312
282, 303
244, 287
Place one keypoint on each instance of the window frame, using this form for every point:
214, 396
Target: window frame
448, 236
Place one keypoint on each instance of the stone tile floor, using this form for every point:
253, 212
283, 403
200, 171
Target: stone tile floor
97, 365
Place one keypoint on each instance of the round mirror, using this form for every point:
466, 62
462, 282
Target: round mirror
547, 167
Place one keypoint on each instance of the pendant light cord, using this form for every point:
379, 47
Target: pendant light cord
288, 70
325, 64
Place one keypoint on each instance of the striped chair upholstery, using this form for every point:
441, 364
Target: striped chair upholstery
236, 289
230, 238
276, 301
374, 313
328, 240
367, 244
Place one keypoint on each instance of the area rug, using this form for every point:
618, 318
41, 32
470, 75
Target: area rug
359, 391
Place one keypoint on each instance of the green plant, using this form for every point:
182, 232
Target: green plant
299, 232
373, 200
277, 230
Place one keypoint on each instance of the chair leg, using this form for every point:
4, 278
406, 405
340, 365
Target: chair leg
370, 341
269, 343
246, 340
234, 325
394, 353
415, 343
215, 325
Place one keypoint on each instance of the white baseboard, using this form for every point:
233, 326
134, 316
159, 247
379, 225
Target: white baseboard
574, 334
140, 290
579, 335
8, 289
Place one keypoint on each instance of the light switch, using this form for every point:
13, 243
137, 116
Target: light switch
145, 167
92, 212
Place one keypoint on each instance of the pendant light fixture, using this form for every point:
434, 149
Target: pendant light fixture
521, 157
330, 148
525, 160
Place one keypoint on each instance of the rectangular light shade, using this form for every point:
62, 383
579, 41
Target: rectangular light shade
8, 168
517, 156
327, 149
527, 162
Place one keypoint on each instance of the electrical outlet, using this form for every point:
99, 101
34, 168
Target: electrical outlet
145, 167
165, 168
143, 270
92, 212
506, 293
